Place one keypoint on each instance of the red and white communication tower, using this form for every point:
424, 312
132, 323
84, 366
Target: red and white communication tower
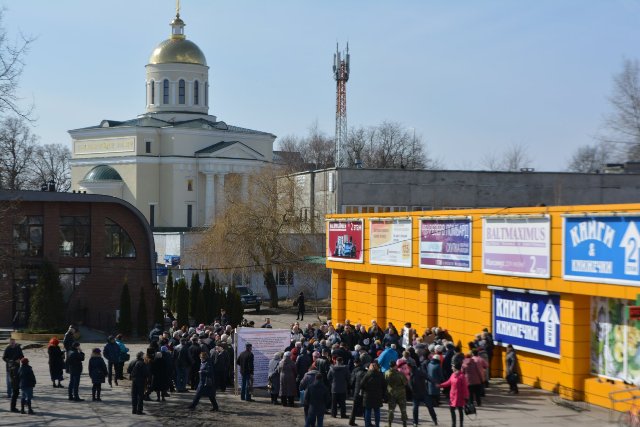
341, 74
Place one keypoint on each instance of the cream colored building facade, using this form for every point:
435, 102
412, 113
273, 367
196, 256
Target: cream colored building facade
171, 162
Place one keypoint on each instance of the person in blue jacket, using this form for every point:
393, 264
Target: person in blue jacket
388, 356
111, 352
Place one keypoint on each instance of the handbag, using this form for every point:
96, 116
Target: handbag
512, 378
126, 356
469, 408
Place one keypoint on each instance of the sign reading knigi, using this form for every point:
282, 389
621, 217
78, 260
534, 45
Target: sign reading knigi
390, 242
445, 243
345, 240
516, 246
528, 322
265, 343
603, 249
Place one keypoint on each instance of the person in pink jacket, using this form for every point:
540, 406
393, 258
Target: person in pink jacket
474, 377
459, 393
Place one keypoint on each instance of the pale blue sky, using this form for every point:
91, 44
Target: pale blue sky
473, 77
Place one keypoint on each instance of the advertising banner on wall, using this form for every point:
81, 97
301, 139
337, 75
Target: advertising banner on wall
516, 246
265, 343
529, 322
445, 244
390, 242
603, 249
345, 240
614, 340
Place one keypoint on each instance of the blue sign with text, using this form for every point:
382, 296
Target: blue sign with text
529, 322
603, 249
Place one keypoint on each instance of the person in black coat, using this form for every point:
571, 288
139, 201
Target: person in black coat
207, 383
357, 375
338, 376
160, 376
418, 385
56, 362
14, 367
97, 373
111, 352
245, 361
74, 364
373, 387
317, 398
220, 360
194, 353
27, 382
138, 373
12, 352
300, 304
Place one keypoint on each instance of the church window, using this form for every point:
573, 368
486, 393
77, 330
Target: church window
189, 185
206, 94
75, 236
196, 94
148, 146
189, 215
118, 244
152, 215
181, 87
165, 91
153, 92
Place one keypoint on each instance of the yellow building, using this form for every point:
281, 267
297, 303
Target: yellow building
553, 281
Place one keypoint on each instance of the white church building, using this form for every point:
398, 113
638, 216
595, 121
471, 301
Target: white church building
172, 161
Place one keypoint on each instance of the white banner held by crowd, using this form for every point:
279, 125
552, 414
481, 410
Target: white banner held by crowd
265, 343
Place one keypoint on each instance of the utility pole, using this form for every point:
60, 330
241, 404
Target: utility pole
341, 74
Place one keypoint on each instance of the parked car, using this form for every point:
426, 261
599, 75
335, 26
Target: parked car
248, 298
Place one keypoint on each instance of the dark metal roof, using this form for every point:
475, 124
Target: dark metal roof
53, 196
199, 123
103, 173
224, 144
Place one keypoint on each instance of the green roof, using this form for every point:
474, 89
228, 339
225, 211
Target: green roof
103, 173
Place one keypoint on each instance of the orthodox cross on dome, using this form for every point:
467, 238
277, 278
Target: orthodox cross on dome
177, 25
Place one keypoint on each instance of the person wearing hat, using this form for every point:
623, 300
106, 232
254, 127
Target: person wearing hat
138, 373
56, 361
245, 362
111, 352
97, 372
27, 382
434, 378
12, 352
74, 364
373, 388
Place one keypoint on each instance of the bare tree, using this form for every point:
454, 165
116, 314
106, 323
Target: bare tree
315, 151
590, 158
12, 56
17, 147
623, 123
51, 163
514, 159
258, 231
388, 146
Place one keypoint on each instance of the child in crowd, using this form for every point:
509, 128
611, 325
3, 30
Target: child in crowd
27, 383
97, 372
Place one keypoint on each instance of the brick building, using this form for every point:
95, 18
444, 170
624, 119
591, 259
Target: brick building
97, 242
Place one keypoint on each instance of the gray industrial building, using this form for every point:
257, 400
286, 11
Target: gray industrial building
329, 191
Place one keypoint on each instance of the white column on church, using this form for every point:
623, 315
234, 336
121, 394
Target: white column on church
210, 199
220, 193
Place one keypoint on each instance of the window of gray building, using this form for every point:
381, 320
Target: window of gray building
189, 215
147, 146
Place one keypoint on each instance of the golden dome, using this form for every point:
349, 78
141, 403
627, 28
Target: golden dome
178, 50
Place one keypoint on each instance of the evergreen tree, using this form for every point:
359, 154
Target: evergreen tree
208, 298
143, 320
234, 307
47, 301
158, 312
201, 311
124, 325
169, 291
194, 292
182, 303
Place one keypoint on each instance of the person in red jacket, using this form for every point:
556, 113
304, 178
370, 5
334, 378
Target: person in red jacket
459, 393
474, 377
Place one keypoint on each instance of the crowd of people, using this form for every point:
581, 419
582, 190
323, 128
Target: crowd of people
372, 365
322, 367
